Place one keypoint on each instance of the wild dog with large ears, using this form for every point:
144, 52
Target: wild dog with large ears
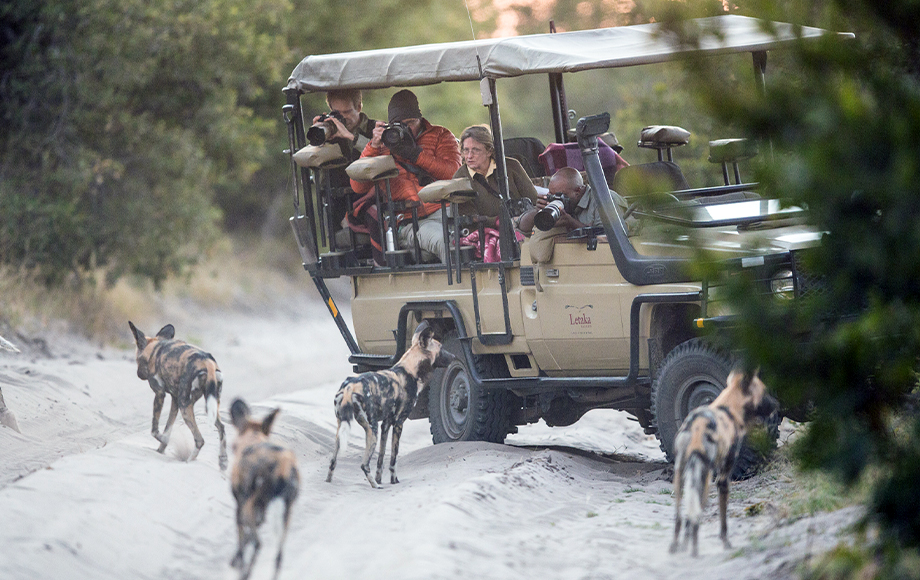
388, 397
708, 443
263, 471
185, 372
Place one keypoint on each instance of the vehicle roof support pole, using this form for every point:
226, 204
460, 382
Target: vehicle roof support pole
506, 233
295, 122
559, 106
760, 79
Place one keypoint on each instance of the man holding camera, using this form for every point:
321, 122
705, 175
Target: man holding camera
424, 153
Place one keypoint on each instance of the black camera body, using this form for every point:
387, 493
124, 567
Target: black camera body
546, 218
395, 133
324, 129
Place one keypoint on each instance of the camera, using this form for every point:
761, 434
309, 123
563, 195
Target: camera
324, 129
546, 217
395, 133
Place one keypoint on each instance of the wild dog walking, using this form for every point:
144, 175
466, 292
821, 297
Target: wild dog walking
262, 472
7, 418
708, 444
185, 372
387, 397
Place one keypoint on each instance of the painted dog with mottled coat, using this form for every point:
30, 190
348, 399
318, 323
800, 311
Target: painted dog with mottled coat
387, 397
186, 373
263, 471
708, 444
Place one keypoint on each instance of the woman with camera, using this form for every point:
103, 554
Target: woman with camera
478, 148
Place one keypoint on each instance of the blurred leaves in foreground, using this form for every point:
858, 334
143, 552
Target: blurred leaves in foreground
842, 118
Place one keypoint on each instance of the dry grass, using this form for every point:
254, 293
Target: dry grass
240, 272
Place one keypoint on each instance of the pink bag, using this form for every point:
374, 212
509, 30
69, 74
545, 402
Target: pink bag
493, 251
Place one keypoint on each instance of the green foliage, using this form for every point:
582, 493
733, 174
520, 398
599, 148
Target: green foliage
843, 132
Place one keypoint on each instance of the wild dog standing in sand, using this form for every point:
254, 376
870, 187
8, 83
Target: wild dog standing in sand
387, 397
185, 372
262, 472
708, 444
7, 417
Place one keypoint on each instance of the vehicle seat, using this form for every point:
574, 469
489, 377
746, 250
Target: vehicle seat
559, 155
646, 178
732, 151
663, 138
527, 151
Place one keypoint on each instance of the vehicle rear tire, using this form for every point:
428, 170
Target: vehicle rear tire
693, 374
459, 410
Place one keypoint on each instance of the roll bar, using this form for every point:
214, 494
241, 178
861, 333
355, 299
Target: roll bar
635, 268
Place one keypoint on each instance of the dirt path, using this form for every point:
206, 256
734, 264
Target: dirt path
83, 494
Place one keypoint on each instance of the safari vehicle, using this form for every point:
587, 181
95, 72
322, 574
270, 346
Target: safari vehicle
612, 320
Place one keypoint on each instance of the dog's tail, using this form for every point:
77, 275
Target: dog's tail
696, 485
347, 404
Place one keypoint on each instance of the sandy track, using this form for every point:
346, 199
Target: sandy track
83, 494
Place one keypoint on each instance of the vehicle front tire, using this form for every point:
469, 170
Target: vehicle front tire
693, 374
458, 409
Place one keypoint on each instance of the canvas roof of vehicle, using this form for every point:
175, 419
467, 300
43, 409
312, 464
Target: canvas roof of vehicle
537, 53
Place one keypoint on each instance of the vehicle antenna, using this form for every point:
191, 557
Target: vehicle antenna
473, 33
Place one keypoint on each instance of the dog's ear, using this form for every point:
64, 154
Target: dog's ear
139, 338
168, 332
239, 413
423, 334
269, 421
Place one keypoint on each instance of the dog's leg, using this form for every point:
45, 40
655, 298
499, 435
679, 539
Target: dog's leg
678, 492
188, 414
335, 453
284, 531
694, 527
237, 561
222, 456
394, 451
370, 441
158, 400
722, 484
384, 433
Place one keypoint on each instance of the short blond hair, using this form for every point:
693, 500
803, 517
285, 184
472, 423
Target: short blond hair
480, 133
353, 96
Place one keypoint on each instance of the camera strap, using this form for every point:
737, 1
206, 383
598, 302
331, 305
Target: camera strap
424, 178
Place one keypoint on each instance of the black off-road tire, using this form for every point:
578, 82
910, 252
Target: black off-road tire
693, 374
458, 410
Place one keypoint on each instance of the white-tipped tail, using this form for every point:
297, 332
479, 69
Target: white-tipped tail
696, 489
7, 345
344, 431
211, 407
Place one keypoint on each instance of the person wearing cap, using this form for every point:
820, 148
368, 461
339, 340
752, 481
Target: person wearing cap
428, 153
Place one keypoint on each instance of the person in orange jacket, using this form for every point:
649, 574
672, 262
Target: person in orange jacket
424, 153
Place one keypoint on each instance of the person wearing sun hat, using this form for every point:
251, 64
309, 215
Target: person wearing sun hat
426, 153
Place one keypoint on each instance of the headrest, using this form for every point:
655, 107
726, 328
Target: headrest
729, 150
657, 136
453, 190
325, 156
373, 168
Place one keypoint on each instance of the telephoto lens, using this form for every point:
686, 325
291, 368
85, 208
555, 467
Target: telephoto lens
394, 133
546, 217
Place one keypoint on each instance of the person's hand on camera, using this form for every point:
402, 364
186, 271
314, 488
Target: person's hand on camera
406, 148
340, 131
377, 135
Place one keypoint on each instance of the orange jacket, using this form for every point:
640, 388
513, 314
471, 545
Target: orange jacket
440, 157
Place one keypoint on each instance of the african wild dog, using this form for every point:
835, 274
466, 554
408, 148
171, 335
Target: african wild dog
185, 372
262, 472
388, 397
708, 444
7, 418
